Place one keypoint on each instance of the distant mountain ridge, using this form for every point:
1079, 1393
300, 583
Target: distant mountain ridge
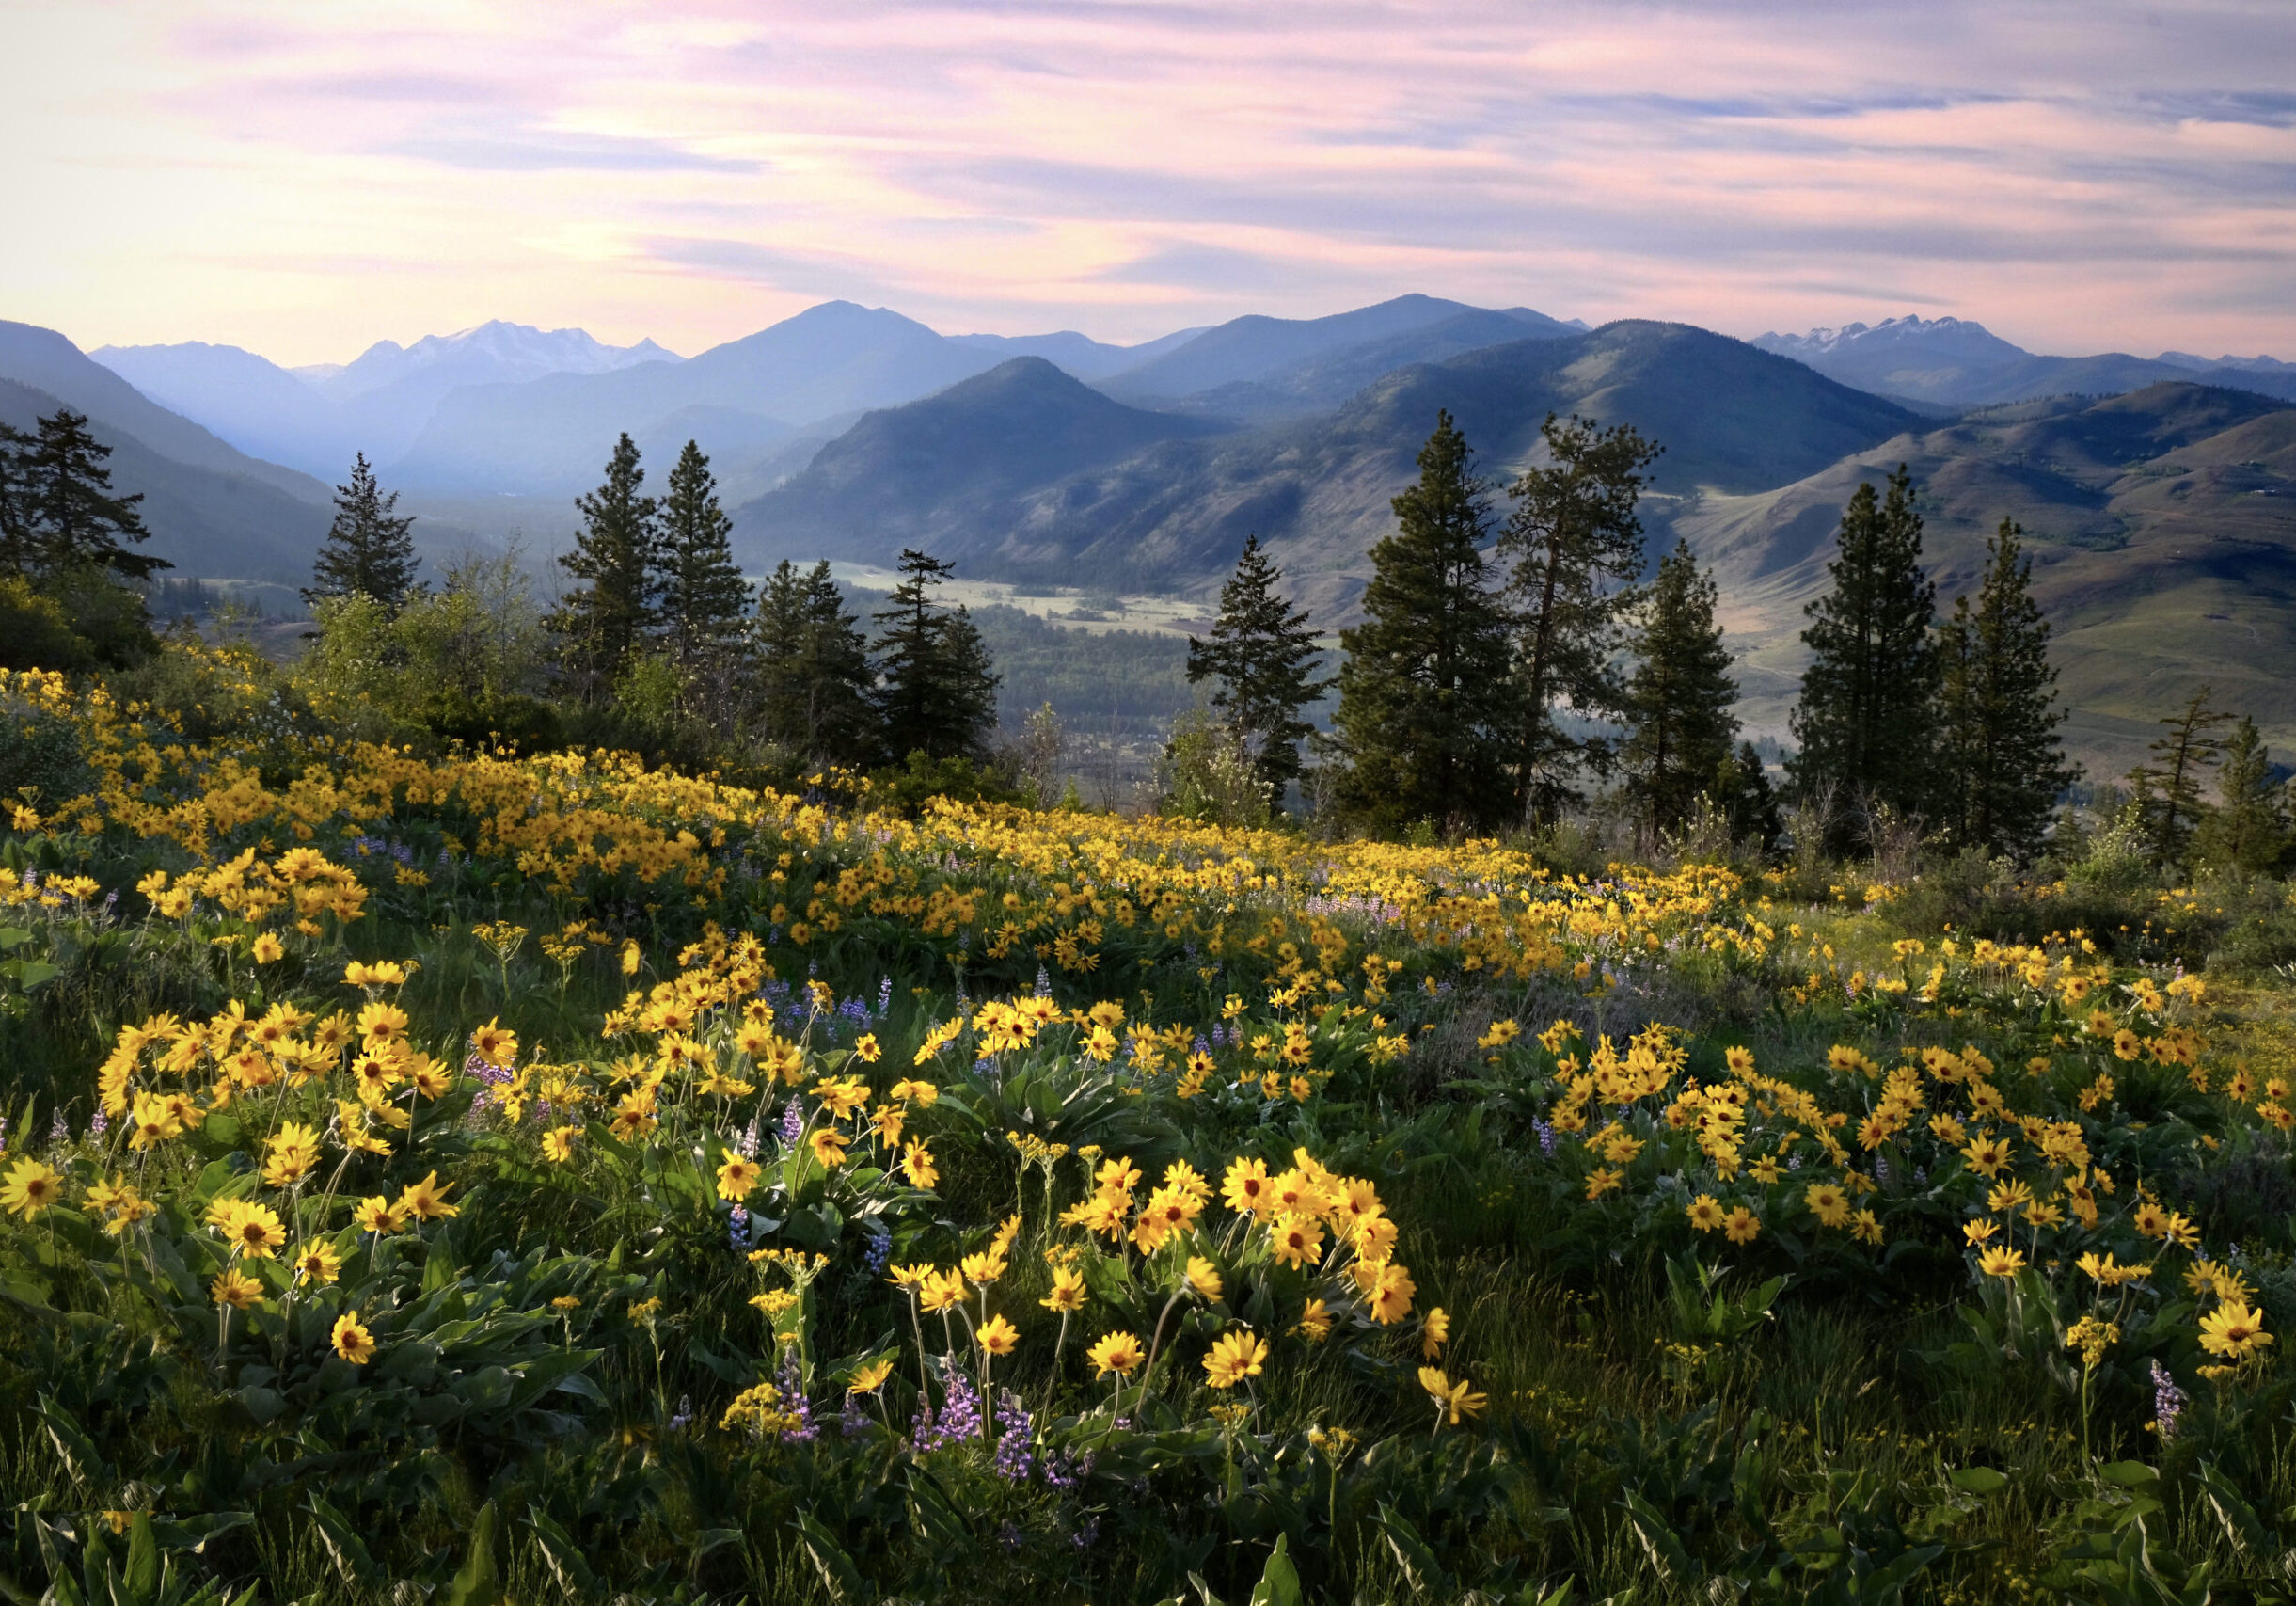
1956, 362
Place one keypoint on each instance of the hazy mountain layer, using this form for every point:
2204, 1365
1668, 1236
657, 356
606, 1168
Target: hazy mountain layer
1958, 363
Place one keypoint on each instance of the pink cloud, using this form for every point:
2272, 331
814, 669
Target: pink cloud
2079, 179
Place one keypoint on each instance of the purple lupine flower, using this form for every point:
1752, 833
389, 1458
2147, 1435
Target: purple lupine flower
795, 1402
2168, 1401
737, 1228
959, 1418
793, 1122
1087, 1533
1044, 983
875, 1250
748, 1145
59, 1130
1008, 1536
99, 1123
684, 1414
1066, 1469
884, 997
1546, 1137
1015, 1433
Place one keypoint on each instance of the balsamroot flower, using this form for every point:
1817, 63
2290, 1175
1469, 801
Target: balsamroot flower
31, 1188
352, 1340
1119, 1353
1234, 1357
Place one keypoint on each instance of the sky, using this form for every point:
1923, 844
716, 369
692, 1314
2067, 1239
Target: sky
303, 179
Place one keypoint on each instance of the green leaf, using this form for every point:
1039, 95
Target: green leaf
479, 1584
344, 1547
1979, 1480
2128, 1474
829, 1558
562, 1556
1279, 1583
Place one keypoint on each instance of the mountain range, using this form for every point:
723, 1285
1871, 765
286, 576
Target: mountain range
2160, 494
1951, 363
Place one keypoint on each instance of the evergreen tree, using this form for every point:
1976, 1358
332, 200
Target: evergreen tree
1677, 706
2248, 829
939, 690
76, 521
1424, 718
19, 552
2001, 764
2167, 793
369, 551
601, 624
813, 676
1866, 722
704, 603
1742, 788
1575, 541
1263, 653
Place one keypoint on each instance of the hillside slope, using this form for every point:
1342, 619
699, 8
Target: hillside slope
2162, 527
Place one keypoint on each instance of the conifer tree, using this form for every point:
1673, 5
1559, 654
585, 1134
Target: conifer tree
2248, 829
1575, 541
76, 522
1263, 653
939, 690
601, 624
1424, 718
2000, 763
813, 676
2167, 791
19, 553
369, 551
1867, 718
1677, 706
704, 603
1742, 788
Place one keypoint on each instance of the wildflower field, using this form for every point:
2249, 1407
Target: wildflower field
493, 1178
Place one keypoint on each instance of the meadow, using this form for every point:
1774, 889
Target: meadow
472, 1176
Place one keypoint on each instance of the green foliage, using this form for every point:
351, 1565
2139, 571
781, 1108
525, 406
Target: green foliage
704, 602
57, 507
1677, 706
2167, 793
1209, 772
1866, 721
2001, 762
1262, 651
2248, 833
368, 550
939, 690
1575, 541
814, 677
603, 621
1425, 718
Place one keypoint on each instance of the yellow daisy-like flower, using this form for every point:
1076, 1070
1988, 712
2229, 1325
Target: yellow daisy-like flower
1457, 1399
737, 1178
1068, 1291
253, 1230
2000, 1262
427, 1201
235, 1288
1705, 1212
1234, 1357
268, 949
1203, 1278
31, 1188
318, 1265
2233, 1329
1829, 1203
998, 1336
1741, 1226
557, 1144
1119, 1353
829, 1146
870, 1378
351, 1340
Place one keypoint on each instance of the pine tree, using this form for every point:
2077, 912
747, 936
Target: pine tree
2167, 793
704, 603
939, 690
369, 551
2000, 763
1575, 541
1263, 653
1742, 788
1424, 718
1867, 719
813, 676
1677, 706
2248, 829
76, 521
19, 551
602, 623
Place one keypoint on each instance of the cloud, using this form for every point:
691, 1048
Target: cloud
530, 150
2114, 175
